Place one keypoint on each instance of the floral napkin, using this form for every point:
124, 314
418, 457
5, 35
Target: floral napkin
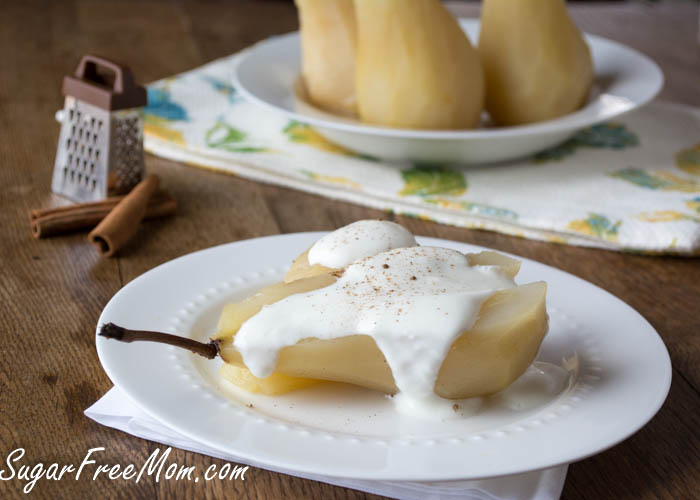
629, 185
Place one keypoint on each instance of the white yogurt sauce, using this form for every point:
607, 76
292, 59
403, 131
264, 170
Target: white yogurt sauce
358, 240
414, 302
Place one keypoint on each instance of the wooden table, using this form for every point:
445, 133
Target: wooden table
53, 290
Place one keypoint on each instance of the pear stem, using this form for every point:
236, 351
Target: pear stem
209, 350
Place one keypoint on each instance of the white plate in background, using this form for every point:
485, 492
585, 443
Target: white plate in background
624, 80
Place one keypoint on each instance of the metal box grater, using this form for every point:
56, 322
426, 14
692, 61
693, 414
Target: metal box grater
100, 147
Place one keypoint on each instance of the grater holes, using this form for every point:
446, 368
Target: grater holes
83, 162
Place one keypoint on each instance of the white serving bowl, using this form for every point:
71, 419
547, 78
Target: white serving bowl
625, 80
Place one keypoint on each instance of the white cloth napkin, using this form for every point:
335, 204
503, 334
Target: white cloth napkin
631, 185
116, 410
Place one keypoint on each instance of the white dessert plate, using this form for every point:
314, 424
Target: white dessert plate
268, 72
623, 376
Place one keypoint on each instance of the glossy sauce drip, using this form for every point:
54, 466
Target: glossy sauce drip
414, 302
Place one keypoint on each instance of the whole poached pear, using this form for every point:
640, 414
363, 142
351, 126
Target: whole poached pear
536, 62
415, 67
328, 34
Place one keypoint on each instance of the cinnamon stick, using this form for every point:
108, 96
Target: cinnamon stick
123, 221
53, 221
111, 331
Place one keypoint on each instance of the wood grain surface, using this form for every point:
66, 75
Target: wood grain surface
52, 291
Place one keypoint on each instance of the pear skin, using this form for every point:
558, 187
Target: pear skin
536, 62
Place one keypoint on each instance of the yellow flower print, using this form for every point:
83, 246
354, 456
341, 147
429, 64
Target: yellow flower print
304, 134
553, 238
672, 215
159, 128
342, 181
596, 225
694, 204
428, 180
659, 180
471, 207
688, 160
662, 216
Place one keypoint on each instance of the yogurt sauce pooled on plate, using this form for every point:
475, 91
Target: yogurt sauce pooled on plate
414, 302
358, 240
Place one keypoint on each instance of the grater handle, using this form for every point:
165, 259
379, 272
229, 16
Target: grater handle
87, 70
88, 85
